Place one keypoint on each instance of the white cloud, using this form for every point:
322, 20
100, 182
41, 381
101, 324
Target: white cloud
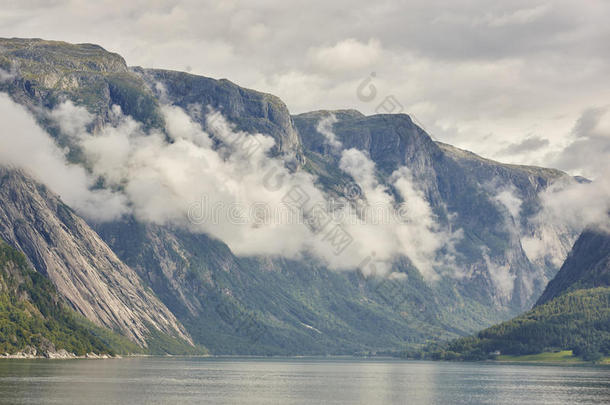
413, 233
234, 191
568, 206
25, 145
6, 76
325, 127
549, 241
501, 277
506, 196
72, 120
348, 54
579, 204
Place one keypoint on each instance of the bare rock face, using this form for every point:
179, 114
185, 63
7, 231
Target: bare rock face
587, 266
59, 244
250, 110
44, 73
464, 190
61, 354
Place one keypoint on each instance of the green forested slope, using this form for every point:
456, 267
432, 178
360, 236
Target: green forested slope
572, 314
33, 317
577, 321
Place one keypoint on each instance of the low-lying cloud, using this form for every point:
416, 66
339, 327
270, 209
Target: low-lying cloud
224, 183
570, 205
584, 203
25, 145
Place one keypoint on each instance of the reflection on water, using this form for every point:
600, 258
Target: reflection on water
295, 381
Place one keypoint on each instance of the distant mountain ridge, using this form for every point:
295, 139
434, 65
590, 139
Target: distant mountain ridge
249, 110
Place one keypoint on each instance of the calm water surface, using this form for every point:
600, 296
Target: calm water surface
295, 381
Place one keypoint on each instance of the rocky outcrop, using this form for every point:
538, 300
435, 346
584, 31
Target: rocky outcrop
62, 354
44, 73
86, 272
250, 110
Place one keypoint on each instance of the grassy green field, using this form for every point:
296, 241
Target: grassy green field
564, 356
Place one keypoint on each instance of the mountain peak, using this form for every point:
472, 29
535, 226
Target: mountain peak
340, 114
43, 57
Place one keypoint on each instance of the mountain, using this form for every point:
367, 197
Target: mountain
61, 246
237, 305
572, 314
576, 321
268, 304
33, 319
249, 110
465, 191
45, 71
587, 266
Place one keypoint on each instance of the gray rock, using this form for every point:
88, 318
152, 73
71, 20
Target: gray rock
59, 244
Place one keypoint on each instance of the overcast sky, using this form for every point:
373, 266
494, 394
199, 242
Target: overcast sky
519, 81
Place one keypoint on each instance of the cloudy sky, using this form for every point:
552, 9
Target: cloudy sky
519, 81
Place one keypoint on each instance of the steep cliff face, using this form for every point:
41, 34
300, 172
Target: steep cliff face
60, 245
250, 110
493, 203
44, 73
527, 182
33, 319
587, 266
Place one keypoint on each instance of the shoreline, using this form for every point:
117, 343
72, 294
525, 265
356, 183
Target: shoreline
517, 360
58, 355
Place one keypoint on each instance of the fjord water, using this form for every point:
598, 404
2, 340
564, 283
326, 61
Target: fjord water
156, 380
